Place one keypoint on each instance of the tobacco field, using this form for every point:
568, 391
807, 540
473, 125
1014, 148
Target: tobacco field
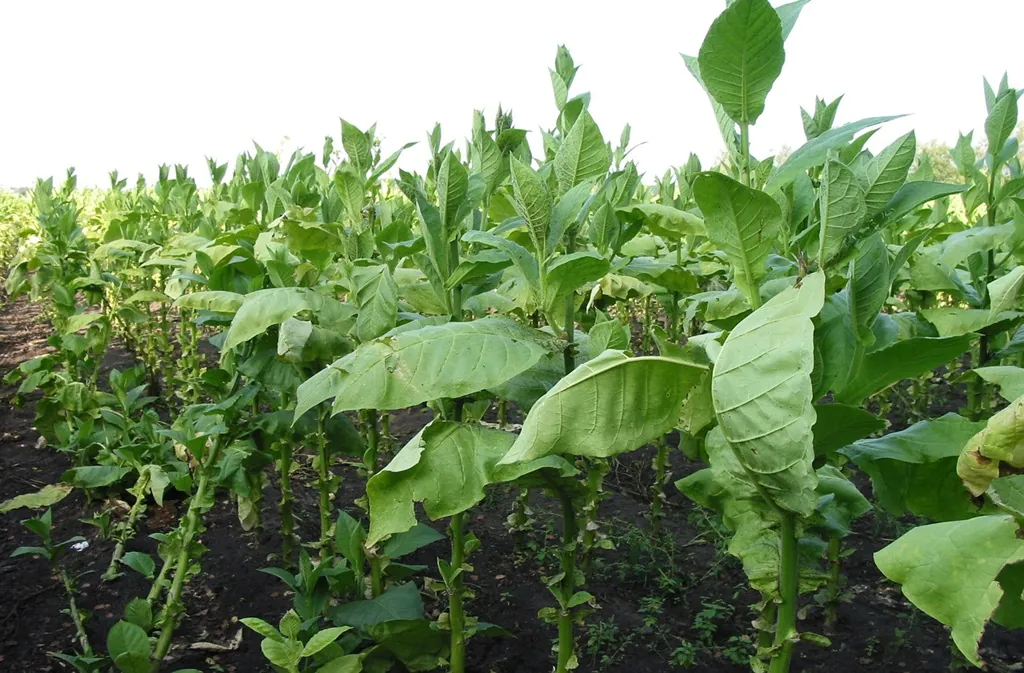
525, 408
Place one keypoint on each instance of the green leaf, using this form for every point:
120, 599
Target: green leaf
995, 451
347, 663
132, 662
788, 14
582, 155
741, 57
140, 562
452, 185
868, 287
48, 495
842, 208
418, 536
568, 273
80, 321
949, 571
609, 405
418, 643
838, 425
95, 476
914, 470
814, 152
400, 602
263, 628
429, 363
446, 466
914, 194
761, 388
1009, 379
743, 223
952, 321
666, 221
357, 146
1005, 292
376, 295
290, 624
519, 255
125, 637
284, 653
533, 203
140, 613
904, 359
1001, 121
886, 172
264, 308
322, 639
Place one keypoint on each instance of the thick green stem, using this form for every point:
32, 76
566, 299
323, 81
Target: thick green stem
745, 152
597, 469
834, 583
570, 314
193, 518
567, 586
161, 580
766, 634
126, 533
83, 638
324, 486
456, 611
658, 487
789, 584
286, 505
519, 520
372, 442
376, 575
385, 433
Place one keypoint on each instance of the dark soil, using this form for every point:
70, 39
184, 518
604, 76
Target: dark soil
653, 593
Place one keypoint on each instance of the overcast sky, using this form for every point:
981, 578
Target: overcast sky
130, 85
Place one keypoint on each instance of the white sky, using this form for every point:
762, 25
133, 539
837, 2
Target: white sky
130, 85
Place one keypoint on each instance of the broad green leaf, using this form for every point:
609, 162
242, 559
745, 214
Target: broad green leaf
840, 501
376, 295
743, 223
582, 155
997, 450
261, 627
1010, 381
264, 308
1005, 292
139, 612
568, 273
446, 466
741, 57
761, 388
347, 663
788, 14
215, 300
959, 321
1001, 121
610, 405
814, 152
350, 185
914, 470
48, 495
125, 637
838, 425
868, 287
452, 185
140, 563
396, 603
284, 653
666, 221
842, 208
429, 363
914, 194
418, 536
418, 643
80, 321
357, 146
519, 255
904, 359
754, 523
886, 172
567, 211
950, 570
533, 203
726, 126
95, 476
147, 297
322, 639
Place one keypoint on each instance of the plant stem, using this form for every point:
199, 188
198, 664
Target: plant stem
385, 432
456, 614
789, 581
568, 584
83, 638
658, 487
745, 152
765, 634
570, 314
833, 585
285, 505
376, 575
161, 578
173, 606
324, 486
597, 469
127, 532
519, 519
372, 440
